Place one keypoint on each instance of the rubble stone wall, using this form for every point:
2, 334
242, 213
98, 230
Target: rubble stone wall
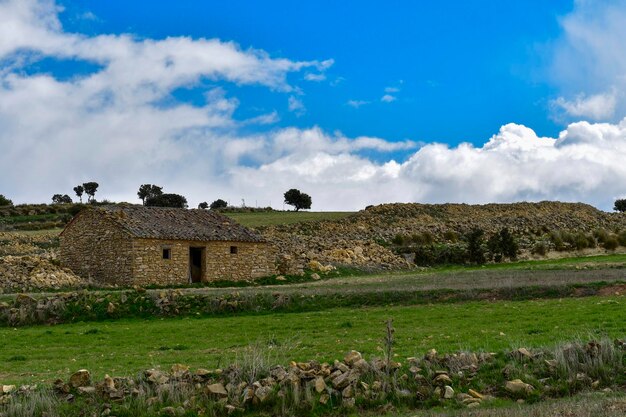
251, 260
96, 250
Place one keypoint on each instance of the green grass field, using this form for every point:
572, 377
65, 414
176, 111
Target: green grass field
124, 347
273, 218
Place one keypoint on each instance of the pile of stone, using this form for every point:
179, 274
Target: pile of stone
12, 243
34, 273
337, 384
362, 239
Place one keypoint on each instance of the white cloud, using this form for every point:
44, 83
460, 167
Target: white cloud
388, 98
263, 119
357, 103
584, 164
296, 106
314, 77
589, 60
596, 107
391, 89
120, 126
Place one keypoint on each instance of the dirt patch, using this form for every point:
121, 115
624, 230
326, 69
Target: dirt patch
612, 290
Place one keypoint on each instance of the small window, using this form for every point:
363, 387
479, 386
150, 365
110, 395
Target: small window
167, 253
233, 250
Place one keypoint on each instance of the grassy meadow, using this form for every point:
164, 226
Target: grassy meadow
124, 347
273, 218
431, 319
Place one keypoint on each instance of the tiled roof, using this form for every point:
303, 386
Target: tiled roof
178, 224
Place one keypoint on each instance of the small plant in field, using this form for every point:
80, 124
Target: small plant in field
540, 248
475, 249
611, 243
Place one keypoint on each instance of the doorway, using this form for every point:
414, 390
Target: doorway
196, 264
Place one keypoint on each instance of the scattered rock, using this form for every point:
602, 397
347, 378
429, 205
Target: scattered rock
320, 385
352, 357
80, 378
217, 390
87, 390
263, 393
517, 386
448, 392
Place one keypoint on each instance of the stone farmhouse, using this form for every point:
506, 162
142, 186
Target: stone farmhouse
137, 245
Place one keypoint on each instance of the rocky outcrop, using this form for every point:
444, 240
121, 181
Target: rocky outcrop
362, 239
35, 272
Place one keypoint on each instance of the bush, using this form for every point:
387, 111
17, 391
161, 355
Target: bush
167, 200
620, 205
581, 241
540, 248
503, 245
451, 236
475, 249
5, 201
399, 240
601, 235
431, 255
218, 204
621, 238
557, 240
424, 238
611, 243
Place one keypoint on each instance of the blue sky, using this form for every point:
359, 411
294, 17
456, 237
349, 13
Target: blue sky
480, 63
355, 103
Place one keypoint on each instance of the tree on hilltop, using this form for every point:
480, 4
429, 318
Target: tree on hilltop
167, 200
204, 205
5, 201
620, 205
218, 204
90, 189
147, 191
61, 199
79, 190
298, 199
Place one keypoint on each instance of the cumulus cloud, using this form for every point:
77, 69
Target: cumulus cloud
357, 103
121, 126
596, 107
583, 164
388, 98
589, 61
296, 106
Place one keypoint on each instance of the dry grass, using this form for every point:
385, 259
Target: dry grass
584, 405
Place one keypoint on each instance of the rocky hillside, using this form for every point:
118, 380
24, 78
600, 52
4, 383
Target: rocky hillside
366, 238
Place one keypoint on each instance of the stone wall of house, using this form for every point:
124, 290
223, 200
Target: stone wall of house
251, 260
95, 249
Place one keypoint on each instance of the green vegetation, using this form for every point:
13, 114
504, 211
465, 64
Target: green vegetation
273, 218
125, 346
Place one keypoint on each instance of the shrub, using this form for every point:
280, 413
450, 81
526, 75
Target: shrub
601, 235
399, 240
475, 249
424, 238
582, 241
620, 205
218, 204
5, 201
503, 245
540, 248
557, 240
621, 238
451, 236
167, 200
611, 243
